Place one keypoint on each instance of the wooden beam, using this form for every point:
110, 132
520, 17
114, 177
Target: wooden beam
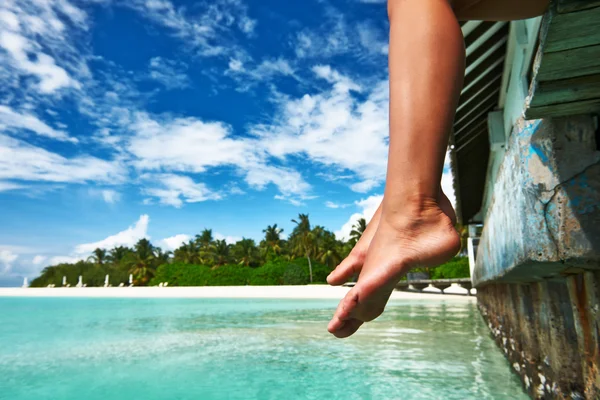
566, 90
566, 6
569, 31
569, 64
476, 125
466, 97
486, 104
477, 32
564, 109
502, 34
495, 58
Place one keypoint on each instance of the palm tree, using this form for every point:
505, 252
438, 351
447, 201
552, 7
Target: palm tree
98, 257
272, 242
245, 252
357, 230
327, 248
161, 257
117, 254
188, 253
141, 262
221, 254
302, 239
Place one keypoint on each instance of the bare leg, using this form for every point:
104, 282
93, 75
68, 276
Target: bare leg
426, 72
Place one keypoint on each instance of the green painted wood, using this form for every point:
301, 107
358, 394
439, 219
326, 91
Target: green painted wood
566, 90
566, 6
569, 64
577, 29
564, 109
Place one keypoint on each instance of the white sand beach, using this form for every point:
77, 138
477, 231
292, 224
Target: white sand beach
236, 292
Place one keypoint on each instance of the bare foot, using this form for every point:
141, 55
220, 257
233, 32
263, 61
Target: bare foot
354, 262
422, 236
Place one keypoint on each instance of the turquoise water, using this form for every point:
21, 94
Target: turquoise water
117, 349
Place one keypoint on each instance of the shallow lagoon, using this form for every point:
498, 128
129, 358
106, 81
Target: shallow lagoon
60, 348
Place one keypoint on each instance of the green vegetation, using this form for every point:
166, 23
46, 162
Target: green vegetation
307, 256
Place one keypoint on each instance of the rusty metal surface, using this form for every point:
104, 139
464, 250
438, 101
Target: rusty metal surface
548, 331
544, 218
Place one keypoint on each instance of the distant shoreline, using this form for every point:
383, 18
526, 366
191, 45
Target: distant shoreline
233, 292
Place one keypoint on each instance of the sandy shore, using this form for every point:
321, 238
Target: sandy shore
239, 292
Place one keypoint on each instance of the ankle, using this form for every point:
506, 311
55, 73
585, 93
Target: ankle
413, 206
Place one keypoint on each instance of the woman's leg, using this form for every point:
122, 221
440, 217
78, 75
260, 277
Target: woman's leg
415, 223
426, 64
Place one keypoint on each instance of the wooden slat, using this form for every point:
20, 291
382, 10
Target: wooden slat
566, 6
468, 129
569, 64
566, 90
477, 32
495, 57
569, 31
489, 81
486, 103
502, 34
564, 109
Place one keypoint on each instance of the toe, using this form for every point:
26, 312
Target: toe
343, 272
348, 328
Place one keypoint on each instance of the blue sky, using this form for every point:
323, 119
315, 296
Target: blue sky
155, 118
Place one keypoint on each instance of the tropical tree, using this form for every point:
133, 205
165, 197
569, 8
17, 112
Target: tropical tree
188, 253
357, 230
246, 253
272, 243
327, 249
98, 257
221, 253
161, 257
302, 240
141, 262
117, 254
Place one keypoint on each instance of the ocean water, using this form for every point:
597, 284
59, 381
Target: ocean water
148, 349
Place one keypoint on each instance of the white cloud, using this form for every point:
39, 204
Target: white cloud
170, 73
331, 204
51, 77
365, 186
367, 208
66, 259
209, 31
6, 186
334, 128
448, 181
128, 237
22, 161
174, 190
174, 242
7, 257
110, 196
193, 146
11, 120
228, 239
38, 260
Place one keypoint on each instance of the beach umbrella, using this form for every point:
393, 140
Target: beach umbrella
131, 279
80, 283
106, 281
25, 284
64, 281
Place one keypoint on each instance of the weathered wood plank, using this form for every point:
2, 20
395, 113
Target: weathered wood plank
578, 29
564, 109
569, 64
566, 90
567, 6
